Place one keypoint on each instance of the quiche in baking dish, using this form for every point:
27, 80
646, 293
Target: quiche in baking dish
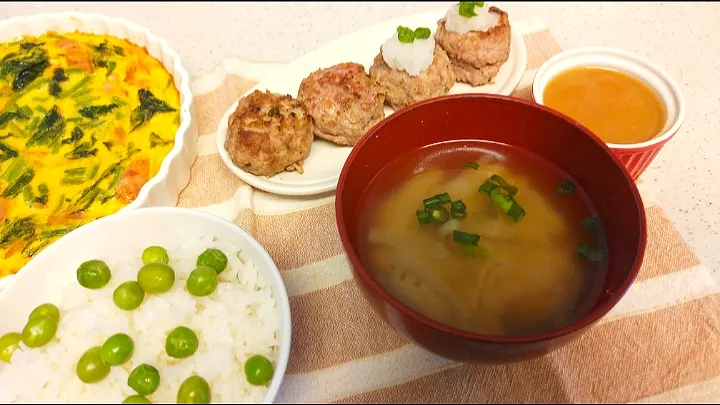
85, 121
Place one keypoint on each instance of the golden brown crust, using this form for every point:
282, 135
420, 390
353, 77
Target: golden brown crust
269, 133
402, 89
477, 50
343, 101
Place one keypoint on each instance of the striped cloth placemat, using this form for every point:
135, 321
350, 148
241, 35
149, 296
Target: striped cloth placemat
660, 344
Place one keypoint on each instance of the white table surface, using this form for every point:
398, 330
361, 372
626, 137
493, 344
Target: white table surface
681, 37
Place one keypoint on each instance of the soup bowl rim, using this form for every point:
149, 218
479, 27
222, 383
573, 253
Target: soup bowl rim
585, 321
574, 58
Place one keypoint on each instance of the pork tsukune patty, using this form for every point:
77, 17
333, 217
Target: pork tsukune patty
269, 133
403, 88
343, 101
477, 46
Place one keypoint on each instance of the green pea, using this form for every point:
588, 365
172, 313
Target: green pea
46, 309
93, 274
258, 370
39, 330
156, 278
128, 296
213, 258
202, 281
155, 254
181, 342
144, 379
9, 342
90, 367
136, 399
117, 349
194, 390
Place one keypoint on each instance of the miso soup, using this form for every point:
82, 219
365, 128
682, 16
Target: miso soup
483, 237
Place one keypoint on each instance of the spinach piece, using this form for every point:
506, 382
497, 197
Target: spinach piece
29, 45
42, 199
149, 106
49, 130
94, 111
54, 89
15, 188
81, 151
14, 230
155, 140
59, 75
19, 114
24, 66
75, 136
7, 152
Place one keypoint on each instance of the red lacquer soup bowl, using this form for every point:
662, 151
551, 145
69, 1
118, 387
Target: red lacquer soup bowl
517, 123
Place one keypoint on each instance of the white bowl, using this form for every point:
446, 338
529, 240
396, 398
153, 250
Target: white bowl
641, 68
122, 236
174, 174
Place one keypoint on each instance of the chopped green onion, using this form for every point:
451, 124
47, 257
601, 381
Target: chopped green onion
501, 201
566, 188
465, 238
589, 254
512, 190
467, 8
468, 250
423, 217
16, 187
471, 165
422, 33
590, 224
28, 195
458, 209
405, 35
443, 198
487, 187
438, 214
516, 212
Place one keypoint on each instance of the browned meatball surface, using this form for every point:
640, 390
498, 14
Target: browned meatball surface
269, 133
401, 89
477, 55
343, 101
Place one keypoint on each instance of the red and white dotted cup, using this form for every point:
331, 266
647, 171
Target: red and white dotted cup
637, 156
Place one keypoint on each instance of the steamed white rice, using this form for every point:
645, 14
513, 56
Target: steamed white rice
483, 21
235, 322
412, 58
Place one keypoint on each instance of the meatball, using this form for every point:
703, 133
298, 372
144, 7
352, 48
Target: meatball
402, 89
476, 56
343, 101
269, 133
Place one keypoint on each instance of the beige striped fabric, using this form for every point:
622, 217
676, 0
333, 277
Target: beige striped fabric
660, 344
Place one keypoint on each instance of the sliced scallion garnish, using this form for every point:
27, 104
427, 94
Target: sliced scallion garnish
566, 188
465, 238
471, 165
458, 209
422, 33
467, 8
405, 35
423, 217
590, 224
512, 190
590, 254
438, 214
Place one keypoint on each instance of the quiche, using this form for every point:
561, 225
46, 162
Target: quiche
85, 121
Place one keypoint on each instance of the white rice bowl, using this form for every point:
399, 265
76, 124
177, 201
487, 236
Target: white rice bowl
240, 319
412, 57
483, 21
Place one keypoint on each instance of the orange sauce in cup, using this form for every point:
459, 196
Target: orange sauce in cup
617, 107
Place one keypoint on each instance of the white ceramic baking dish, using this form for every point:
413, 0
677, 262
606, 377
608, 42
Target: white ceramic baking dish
174, 174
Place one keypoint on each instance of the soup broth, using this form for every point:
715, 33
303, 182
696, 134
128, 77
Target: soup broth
492, 270
617, 107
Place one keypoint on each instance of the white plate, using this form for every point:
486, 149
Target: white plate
323, 166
